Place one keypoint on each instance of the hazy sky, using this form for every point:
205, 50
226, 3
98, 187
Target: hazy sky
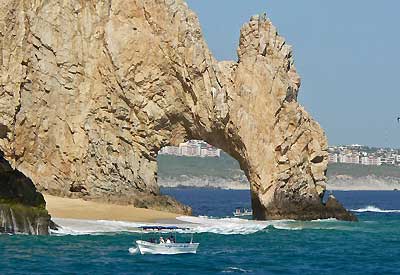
346, 52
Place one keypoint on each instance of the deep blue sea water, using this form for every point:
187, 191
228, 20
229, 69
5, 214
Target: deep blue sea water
371, 246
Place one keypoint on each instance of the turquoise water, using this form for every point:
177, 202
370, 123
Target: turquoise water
371, 246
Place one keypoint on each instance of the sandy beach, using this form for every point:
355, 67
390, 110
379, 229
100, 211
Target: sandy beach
88, 210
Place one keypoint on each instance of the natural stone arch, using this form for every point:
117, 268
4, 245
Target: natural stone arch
92, 90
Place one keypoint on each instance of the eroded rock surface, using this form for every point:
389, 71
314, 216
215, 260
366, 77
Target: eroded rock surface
22, 208
91, 90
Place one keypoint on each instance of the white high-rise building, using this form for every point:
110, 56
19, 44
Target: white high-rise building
371, 161
349, 159
170, 150
190, 150
333, 158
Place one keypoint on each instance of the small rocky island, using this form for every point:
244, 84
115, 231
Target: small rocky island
92, 90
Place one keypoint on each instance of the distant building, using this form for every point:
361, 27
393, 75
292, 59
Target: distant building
333, 158
388, 160
371, 161
210, 152
349, 159
331, 149
365, 155
190, 149
356, 146
170, 150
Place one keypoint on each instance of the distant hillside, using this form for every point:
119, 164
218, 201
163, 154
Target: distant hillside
223, 167
225, 172
358, 170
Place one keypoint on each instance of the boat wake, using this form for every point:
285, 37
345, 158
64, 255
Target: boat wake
375, 209
133, 250
233, 269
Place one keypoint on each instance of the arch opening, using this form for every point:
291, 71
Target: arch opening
197, 173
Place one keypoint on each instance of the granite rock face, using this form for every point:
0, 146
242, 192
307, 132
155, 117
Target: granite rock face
91, 90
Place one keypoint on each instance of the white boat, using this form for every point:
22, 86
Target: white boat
168, 247
242, 212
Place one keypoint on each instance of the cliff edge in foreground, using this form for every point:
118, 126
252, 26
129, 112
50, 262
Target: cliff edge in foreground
22, 208
91, 90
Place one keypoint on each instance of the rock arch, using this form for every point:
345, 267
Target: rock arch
92, 90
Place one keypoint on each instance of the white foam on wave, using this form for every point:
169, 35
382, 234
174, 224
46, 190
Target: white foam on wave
228, 226
287, 227
371, 208
233, 269
326, 220
92, 227
201, 224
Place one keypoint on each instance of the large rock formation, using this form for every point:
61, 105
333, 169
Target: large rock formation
91, 90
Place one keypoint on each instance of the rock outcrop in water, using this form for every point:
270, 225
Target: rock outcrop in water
91, 90
22, 208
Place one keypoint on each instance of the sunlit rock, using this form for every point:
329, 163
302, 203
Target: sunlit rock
91, 90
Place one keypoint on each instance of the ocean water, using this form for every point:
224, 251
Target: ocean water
227, 245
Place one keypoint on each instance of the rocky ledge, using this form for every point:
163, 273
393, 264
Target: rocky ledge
91, 90
22, 208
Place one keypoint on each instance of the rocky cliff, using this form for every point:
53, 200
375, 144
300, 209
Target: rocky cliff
91, 90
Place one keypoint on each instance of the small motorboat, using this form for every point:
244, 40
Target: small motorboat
167, 246
242, 212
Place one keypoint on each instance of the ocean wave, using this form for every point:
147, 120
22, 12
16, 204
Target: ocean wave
229, 226
326, 220
282, 227
371, 208
201, 224
225, 226
233, 269
93, 227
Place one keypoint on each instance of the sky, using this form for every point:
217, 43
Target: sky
346, 52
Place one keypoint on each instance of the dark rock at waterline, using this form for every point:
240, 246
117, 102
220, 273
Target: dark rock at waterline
302, 209
23, 219
334, 209
22, 208
53, 226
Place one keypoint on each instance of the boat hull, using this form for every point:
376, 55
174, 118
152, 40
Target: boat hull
167, 248
242, 214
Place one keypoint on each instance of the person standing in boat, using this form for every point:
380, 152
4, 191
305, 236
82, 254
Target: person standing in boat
162, 240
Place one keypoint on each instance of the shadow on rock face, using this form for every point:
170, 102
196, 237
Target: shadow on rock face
22, 208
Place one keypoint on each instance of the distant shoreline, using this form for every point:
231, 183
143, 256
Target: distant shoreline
361, 188
225, 173
329, 187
